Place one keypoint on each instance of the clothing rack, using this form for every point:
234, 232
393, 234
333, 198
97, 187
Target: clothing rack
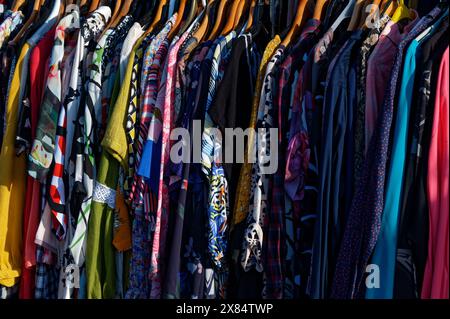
118, 178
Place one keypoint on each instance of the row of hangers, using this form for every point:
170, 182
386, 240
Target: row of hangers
221, 16
357, 10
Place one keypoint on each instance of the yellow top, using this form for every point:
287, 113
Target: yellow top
115, 140
243, 190
12, 186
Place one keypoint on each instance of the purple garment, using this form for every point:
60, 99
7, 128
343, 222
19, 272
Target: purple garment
364, 220
379, 69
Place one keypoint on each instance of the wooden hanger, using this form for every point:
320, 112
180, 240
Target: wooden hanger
94, 5
33, 16
356, 15
191, 14
243, 6
220, 16
17, 5
62, 8
114, 13
377, 3
389, 7
125, 8
231, 16
201, 32
158, 15
83, 3
251, 16
297, 23
318, 9
177, 25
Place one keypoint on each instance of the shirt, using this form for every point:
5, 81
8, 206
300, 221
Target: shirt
153, 59
379, 68
12, 188
367, 47
435, 284
162, 215
336, 161
41, 155
253, 243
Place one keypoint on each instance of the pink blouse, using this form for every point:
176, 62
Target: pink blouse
436, 284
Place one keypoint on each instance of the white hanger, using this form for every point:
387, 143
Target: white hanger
346, 13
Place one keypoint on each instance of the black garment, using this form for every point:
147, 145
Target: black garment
232, 106
322, 263
412, 246
232, 109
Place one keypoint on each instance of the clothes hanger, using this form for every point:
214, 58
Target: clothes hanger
356, 15
241, 22
219, 19
62, 9
389, 7
251, 16
33, 16
201, 31
319, 9
17, 4
190, 16
230, 22
346, 13
94, 5
158, 15
125, 8
177, 25
243, 6
211, 17
299, 18
84, 3
258, 14
402, 12
115, 12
